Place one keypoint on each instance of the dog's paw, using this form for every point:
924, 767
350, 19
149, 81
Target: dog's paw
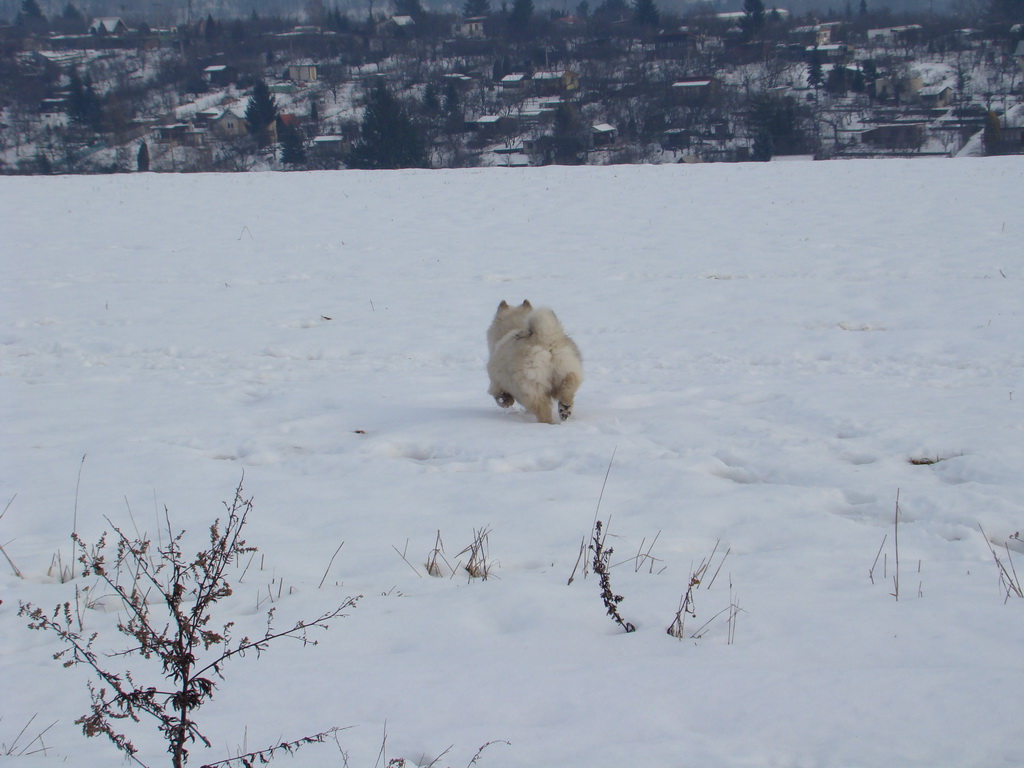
564, 411
505, 400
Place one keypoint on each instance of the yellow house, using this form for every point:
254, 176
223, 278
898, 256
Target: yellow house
304, 73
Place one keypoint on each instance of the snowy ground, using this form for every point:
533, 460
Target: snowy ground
767, 347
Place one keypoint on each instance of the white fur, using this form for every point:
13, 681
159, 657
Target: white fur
533, 362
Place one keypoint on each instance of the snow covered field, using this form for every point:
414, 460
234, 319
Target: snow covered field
769, 349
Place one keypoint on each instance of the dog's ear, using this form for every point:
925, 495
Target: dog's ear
503, 305
526, 303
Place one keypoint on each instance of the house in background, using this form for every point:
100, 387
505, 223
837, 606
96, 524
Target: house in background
220, 75
935, 96
302, 73
603, 135
471, 27
895, 136
107, 25
229, 123
554, 82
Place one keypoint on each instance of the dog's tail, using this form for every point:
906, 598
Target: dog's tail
543, 323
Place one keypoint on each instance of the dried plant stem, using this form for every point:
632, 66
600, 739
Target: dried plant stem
329, 564
896, 545
601, 559
1008, 578
871, 570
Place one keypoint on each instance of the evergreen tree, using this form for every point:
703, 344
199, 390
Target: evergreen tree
567, 145
520, 17
30, 11
815, 74
292, 150
142, 160
455, 119
753, 20
260, 112
84, 106
389, 138
71, 13
1007, 11
776, 125
863, 7
645, 13
476, 8
992, 136
30, 17
411, 8
611, 11
431, 99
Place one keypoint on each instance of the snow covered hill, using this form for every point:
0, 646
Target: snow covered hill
773, 352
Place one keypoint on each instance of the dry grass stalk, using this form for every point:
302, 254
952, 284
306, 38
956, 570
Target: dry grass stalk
479, 565
896, 545
4, 551
1008, 578
13, 750
581, 558
687, 602
436, 558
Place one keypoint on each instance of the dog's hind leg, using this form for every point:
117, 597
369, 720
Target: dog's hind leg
566, 394
539, 404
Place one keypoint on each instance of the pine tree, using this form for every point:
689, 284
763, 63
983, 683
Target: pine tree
411, 8
753, 18
520, 17
815, 74
645, 13
1006, 11
260, 112
30, 16
142, 160
476, 8
992, 136
31, 11
292, 150
71, 13
389, 138
84, 106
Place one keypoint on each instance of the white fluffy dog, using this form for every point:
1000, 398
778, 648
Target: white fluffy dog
532, 361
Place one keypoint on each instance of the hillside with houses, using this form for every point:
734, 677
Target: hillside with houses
515, 86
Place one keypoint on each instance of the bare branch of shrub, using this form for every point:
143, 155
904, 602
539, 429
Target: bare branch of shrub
173, 630
601, 559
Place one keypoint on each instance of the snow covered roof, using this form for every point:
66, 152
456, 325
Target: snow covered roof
691, 84
108, 24
604, 128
